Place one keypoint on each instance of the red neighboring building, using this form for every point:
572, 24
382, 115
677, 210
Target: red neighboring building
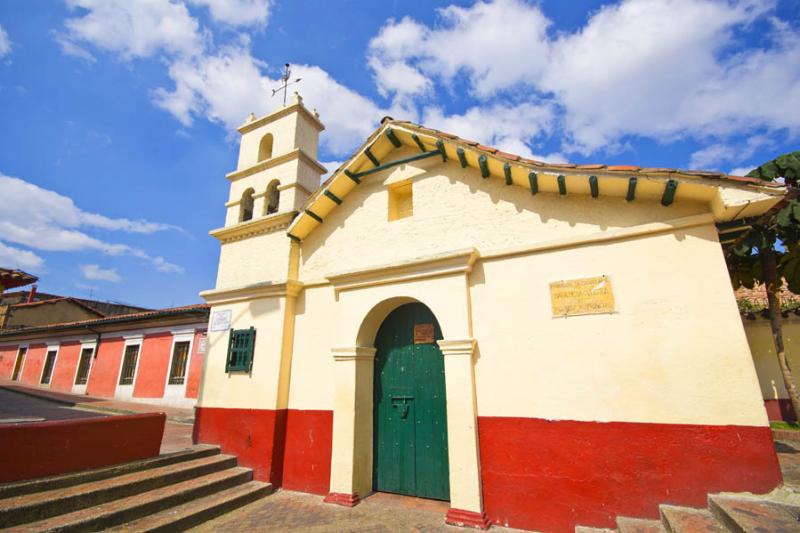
148, 356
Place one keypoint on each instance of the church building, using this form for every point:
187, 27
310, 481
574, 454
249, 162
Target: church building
540, 345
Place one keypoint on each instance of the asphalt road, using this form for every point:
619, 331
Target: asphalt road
16, 407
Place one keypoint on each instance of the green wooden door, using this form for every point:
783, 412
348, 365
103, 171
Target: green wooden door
410, 417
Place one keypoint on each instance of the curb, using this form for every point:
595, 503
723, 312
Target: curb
32, 394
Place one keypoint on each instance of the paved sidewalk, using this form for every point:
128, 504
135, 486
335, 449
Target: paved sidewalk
33, 402
294, 511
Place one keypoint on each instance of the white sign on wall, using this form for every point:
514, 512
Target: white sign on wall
221, 320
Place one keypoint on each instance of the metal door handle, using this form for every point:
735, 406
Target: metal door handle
405, 400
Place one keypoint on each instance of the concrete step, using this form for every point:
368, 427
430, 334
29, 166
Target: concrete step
687, 520
39, 505
19, 488
742, 514
125, 510
198, 511
639, 525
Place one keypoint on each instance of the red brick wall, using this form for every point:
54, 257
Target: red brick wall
105, 368
154, 356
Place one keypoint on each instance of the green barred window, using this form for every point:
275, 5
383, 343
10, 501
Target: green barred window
240, 350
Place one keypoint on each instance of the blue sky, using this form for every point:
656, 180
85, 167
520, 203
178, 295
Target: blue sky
118, 116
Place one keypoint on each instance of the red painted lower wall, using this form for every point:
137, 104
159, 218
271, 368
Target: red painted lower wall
66, 365
307, 458
289, 448
32, 367
8, 355
780, 410
104, 373
154, 357
50, 448
553, 475
195, 365
255, 436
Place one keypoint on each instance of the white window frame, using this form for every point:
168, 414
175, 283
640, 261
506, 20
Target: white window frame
81, 389
125, 392
24, 360
177, 393
50, 347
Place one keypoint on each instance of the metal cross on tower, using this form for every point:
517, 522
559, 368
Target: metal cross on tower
287, 71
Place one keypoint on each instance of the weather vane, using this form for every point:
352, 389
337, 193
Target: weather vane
287, 71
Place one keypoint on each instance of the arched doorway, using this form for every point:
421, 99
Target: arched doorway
409, 406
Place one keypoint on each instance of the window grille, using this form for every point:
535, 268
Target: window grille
83, 366
241, 343
129, 364
49, 362
180, 356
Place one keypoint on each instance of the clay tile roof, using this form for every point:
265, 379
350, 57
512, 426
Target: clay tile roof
513, 157
623, 168
486, 148
563, 165
130, 317
10, 278
532, 161
590, 167
656, 169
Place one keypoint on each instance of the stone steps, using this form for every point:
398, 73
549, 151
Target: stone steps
736, 513
169, 493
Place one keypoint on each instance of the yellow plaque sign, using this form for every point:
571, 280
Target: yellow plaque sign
586, 296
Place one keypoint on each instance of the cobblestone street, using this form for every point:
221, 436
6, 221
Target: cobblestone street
295, 511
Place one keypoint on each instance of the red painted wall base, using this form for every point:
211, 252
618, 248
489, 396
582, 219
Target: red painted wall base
289, 448
553, 475
458, 517
780, 410
347, 500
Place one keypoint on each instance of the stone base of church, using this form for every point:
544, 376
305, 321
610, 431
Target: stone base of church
553, 475
459, 517
289, 448
345, 500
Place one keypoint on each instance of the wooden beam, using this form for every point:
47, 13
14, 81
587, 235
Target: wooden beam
562, 185
669, 192
419, 143
329, 194
313, 215
440, 147
594, 186
484, 164
352, 176
295, 239
372, 158
533, 179
462, 157
391, 164
631, 189
507, 172
393, 137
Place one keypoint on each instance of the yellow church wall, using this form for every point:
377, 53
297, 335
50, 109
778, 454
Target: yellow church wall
673, 352
759, 336
455, 208
255, 390
253, 260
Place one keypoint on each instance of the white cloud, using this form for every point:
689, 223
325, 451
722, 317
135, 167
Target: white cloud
11, 257
495, 44
5, 43
663, 69
45, 220
133, 29
714, 155
512, 129
740, 171
94, 272
238, 12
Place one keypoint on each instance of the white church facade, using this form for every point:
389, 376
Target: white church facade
540, 345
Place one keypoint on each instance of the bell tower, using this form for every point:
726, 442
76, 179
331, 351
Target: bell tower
277, 161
